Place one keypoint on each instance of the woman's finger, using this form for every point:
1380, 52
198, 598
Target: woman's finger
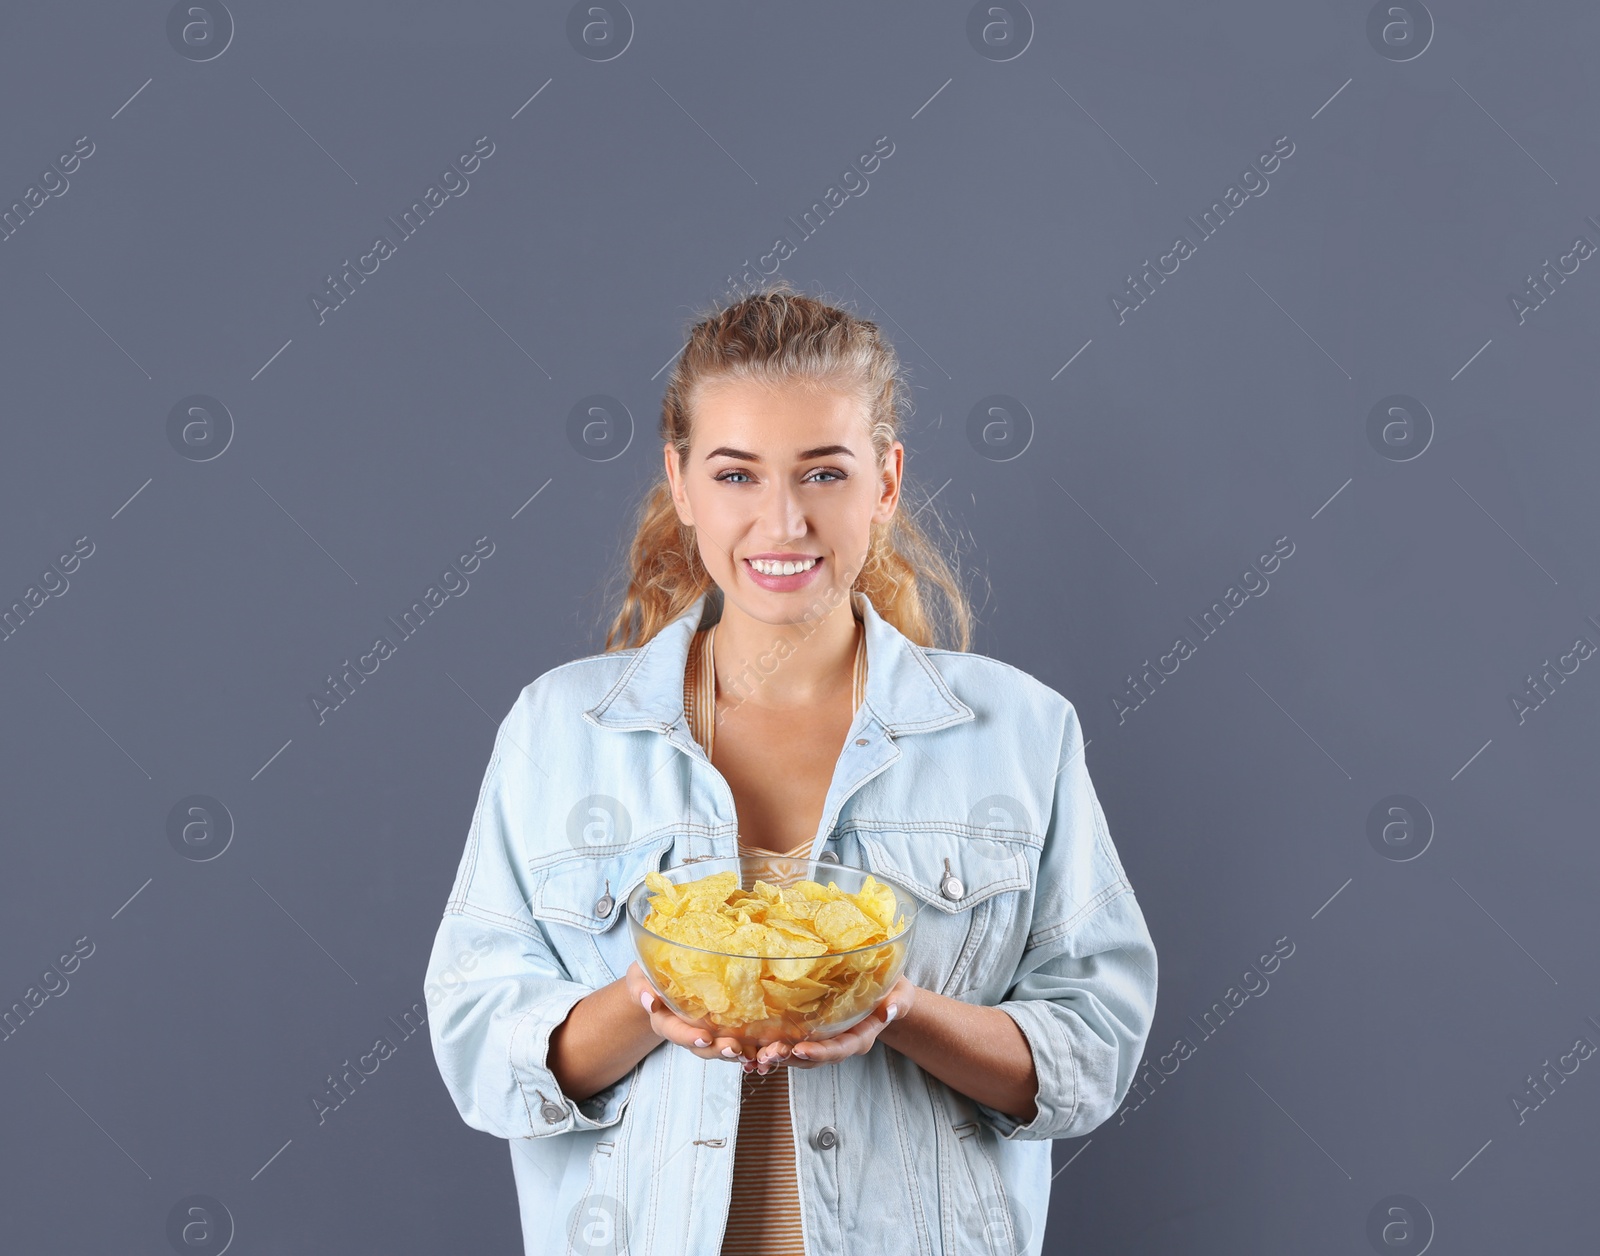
772, 1052
856, 1040
828, 1050
677, 1030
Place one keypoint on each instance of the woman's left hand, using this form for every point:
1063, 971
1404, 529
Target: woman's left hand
857, 1040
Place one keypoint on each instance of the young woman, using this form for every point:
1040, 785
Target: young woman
770, 686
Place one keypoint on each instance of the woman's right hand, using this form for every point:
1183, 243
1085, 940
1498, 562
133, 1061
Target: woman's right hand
673, 1028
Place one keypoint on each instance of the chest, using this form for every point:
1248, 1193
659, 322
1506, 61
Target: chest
779, 765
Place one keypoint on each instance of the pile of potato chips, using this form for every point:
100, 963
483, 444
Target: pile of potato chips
800, 983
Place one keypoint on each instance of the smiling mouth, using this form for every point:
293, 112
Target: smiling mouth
771, 567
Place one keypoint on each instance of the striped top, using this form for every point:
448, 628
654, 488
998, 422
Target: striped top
764, 1216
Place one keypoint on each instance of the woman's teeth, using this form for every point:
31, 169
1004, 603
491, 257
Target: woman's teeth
769, 568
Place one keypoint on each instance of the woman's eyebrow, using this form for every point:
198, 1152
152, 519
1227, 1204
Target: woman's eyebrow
821, 451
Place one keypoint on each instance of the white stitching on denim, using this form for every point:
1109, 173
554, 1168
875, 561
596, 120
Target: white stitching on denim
1106, 894
1077, 1087
511, 1063
474, 837
947, 1223
997, 1180
474, 912
960, 1154
977, 933
872, 824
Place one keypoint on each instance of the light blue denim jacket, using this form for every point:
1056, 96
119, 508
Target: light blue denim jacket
963, 782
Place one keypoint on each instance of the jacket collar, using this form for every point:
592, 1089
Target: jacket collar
905, 692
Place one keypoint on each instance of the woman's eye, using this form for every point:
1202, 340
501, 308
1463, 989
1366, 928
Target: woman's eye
727, 476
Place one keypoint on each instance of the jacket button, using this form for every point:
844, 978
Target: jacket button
827, 1137
951, 886
604, 905
861, 741
828, 856
552, 1112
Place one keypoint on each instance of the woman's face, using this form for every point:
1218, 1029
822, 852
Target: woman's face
779, 475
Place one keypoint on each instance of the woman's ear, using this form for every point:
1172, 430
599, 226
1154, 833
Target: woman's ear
889, 481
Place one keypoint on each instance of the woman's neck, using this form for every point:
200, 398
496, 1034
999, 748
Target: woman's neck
782, 666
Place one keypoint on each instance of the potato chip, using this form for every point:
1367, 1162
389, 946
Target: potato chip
756, 963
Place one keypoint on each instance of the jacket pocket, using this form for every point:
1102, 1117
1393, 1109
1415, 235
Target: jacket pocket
988, 1219
587, 892
975, 894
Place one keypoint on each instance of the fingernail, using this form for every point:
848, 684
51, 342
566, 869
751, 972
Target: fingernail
729, 1052
702, 1042
645, 1000
801, 1052
894, 1010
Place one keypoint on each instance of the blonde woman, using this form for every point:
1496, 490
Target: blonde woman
771, 685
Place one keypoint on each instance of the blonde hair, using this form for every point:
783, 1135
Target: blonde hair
781, 338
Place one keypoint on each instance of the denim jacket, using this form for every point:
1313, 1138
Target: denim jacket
962, 782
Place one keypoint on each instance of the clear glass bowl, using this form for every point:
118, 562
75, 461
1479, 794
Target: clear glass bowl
849, 1002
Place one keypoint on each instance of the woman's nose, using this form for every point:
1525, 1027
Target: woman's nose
784, 516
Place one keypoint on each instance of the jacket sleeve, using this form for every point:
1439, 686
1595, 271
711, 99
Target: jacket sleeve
1084, 992
495, 985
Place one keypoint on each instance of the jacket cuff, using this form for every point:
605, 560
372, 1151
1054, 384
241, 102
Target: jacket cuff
1057, 1096
549, 1109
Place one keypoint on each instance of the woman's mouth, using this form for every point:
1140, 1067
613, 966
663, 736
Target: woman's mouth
781, 575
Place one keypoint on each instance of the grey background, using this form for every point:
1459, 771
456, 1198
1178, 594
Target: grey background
1029, 176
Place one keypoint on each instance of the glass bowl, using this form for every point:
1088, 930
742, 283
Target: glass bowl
831, 992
